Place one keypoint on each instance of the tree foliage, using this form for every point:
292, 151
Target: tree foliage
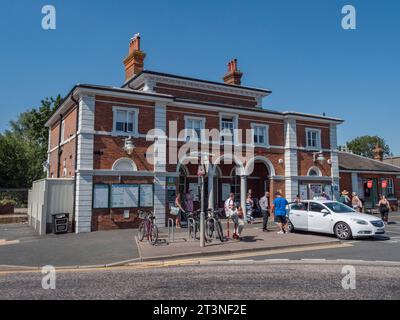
23, 148
364, 146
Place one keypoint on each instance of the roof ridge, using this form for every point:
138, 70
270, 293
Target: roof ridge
370, 159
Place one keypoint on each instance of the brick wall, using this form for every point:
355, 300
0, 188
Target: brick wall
301, 133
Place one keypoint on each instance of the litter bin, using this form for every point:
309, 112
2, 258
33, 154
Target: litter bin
60, 223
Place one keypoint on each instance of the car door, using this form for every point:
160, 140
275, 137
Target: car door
317, 220
298, 215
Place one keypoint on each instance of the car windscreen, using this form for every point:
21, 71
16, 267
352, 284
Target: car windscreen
338, 207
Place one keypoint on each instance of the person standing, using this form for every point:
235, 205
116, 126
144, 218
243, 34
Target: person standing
178, 204
264, 205
345, 199
238, 220
229, 205
189, 201
249, 208
279, 211
356, 202
384, 208
297, 199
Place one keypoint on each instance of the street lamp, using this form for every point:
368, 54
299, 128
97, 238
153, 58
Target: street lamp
129, 146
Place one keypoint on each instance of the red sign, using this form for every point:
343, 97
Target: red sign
384, 184
201, 172
369, 184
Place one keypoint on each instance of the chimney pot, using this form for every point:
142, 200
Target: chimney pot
234, 76
134, 61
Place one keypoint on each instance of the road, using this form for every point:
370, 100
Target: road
208, 282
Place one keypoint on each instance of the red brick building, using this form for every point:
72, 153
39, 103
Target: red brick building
291, 152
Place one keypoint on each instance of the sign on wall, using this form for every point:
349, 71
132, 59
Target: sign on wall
146, 195
124, 196
100, 196
194, 187
303, 192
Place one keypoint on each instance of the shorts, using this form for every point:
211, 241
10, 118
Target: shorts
280, 219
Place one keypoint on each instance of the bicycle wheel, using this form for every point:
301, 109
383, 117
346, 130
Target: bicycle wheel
153, 235
142, 231
219, 231
210, 227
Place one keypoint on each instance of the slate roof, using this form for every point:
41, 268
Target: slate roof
349, 161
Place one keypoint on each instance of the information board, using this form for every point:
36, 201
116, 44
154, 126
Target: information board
100, 196
146, 195
124, 196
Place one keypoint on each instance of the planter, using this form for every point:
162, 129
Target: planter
7, 209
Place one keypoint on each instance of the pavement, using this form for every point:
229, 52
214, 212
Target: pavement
253, 239
20, 246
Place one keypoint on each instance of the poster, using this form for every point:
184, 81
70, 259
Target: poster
328, 191
100, 196
146, 195
194, 187
225, 191
303, 192
315, 190
124, 196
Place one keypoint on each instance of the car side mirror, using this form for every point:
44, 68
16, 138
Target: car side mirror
325, 211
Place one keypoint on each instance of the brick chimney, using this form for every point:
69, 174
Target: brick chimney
378, 152
234, 76
134, 61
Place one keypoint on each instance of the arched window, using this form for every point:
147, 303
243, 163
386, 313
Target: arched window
314, 172
124, 164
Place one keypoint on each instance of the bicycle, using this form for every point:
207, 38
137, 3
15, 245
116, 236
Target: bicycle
147, 227
213, 224
194, 228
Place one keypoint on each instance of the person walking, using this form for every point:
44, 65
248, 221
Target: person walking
384, 208
264, 205
249, 208
279, 211
356, 202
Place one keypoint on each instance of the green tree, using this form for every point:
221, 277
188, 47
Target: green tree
364, 146
23, 148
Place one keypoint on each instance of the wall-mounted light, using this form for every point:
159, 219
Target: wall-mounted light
129, 146
319, 157
280, 161
329, 161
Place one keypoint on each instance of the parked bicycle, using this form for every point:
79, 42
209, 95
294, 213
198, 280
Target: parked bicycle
213, 224
147, 228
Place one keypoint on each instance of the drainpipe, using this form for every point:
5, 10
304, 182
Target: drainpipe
76, 160
59, 148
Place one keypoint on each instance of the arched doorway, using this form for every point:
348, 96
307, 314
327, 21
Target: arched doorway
259, 171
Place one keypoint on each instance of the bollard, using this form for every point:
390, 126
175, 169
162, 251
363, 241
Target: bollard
171, 228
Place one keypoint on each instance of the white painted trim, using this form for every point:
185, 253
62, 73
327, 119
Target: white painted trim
131, 162
235, 119
264, 160
316, 169
203, 126
266, 138
135, 111
319, 143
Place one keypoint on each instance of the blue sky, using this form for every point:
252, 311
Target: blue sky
295, 48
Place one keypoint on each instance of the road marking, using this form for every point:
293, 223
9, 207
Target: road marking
4, 242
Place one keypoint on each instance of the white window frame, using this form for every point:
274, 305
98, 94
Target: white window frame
316, 169
202, 127
255, 126
318, 132
62, 128
390, 186
235, 120
135, 111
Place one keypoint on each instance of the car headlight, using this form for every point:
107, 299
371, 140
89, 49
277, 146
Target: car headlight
359, 221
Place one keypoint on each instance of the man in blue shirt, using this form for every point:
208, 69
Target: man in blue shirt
279, 212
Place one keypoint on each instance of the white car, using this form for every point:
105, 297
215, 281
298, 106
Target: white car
333, 217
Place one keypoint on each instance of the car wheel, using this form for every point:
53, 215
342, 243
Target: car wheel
290, 227
343, 231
